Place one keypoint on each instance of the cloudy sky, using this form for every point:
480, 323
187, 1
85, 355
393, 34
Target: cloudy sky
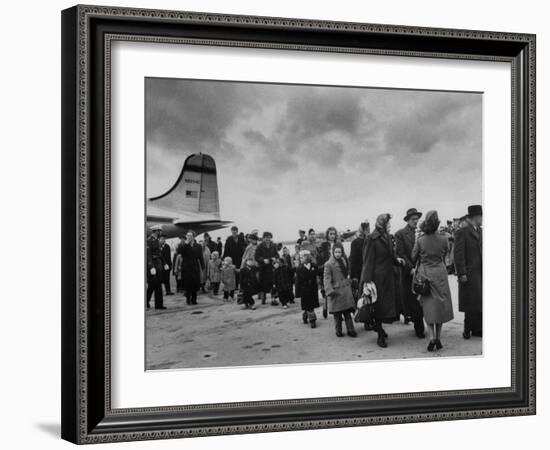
298, 156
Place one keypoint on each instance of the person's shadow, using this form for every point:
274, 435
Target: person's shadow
53, 429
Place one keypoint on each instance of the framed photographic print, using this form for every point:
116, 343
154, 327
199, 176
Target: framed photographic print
280, 224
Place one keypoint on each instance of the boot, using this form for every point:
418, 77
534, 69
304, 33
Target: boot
349, 325
312, 318
338, 325
381, 341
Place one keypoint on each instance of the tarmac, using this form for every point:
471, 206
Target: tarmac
215, 333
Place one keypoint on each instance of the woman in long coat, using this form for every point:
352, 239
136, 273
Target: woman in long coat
306, 284
338, 290
431, 248
266, 252
191, 265
378, 262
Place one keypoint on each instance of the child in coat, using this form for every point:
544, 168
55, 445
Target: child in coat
214, 272
306, 284
282, 282
249, 282
228, 278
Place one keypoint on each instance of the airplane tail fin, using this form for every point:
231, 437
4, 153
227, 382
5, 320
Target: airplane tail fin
195, 190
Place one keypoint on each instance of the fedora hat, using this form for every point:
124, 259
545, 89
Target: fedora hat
474, 210
412, 212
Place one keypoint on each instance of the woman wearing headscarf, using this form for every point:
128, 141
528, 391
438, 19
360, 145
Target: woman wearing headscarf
430, 249
337, 285
378, 262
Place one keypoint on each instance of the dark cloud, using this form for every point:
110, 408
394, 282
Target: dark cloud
429, 119
194, 115
277, 149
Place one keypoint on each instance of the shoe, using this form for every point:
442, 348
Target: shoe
252, 307
160, 307
381, 341
352, 333
312, 324
466, 334
438, 344
431, 346
339, 333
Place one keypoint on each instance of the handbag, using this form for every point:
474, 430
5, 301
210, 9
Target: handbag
365, 310
420, 284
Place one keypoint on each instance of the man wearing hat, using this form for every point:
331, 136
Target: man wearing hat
155, 268
266, 252
469, 267
404, 243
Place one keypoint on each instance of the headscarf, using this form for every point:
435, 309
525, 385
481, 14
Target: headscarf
382, 222
340, 261
431, 223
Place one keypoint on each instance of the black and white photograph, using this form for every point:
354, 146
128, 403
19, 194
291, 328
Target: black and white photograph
296, 224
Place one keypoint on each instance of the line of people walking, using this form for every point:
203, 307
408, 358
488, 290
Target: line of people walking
382, 270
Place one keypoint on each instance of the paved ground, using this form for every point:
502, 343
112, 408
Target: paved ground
215, 334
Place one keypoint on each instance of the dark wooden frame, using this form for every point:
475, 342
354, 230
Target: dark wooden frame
87, 31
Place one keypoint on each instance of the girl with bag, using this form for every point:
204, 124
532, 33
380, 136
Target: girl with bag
341, 303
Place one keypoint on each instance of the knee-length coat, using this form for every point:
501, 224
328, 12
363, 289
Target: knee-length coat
337, 287
263, 251
468, 261
378, 263
404, 244
191, 266
228, 277
306, 284
431, 249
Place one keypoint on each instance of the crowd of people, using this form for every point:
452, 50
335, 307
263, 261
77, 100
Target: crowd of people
382, 270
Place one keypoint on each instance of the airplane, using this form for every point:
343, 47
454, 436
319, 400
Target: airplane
192, 203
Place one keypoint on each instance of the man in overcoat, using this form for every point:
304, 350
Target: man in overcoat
266, 252
469, 267
192, 265
166, 255
404, 243
234, 248
154, 268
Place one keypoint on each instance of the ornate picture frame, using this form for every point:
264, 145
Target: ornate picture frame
87, 35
